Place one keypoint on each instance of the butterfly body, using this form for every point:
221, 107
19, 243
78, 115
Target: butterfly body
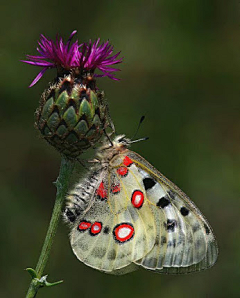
127, 215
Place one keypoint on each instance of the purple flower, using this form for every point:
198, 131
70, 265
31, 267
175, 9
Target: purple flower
86, 57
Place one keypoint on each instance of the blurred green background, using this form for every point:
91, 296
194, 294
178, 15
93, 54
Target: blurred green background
181, 70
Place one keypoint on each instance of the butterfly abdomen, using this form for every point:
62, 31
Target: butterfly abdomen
80, 197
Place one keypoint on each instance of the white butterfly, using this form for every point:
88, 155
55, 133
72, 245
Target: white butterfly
127, 215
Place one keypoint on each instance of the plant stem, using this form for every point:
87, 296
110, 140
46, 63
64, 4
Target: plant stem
62, 183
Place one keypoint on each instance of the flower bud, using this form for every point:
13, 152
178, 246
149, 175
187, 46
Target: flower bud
71, 116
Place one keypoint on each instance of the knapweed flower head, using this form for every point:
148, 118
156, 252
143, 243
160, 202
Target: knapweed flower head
82, 58
73, 114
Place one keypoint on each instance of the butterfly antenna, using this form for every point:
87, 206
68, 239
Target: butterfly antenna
110, 141
139, 124
139, 140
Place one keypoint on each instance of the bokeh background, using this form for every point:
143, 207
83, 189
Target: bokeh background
181, 70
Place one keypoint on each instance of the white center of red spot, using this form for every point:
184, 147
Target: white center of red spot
137, 198
123, 232
96, 228
84, 225
122, 171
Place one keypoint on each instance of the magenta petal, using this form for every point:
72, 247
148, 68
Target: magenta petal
42, 64
34, 57
38, 77
71, 36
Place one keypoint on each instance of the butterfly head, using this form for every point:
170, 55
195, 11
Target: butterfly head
113, 147
121, 142
116, 146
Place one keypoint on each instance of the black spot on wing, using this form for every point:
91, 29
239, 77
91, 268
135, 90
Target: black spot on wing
163, 202
106, 230
148, 183
184, 211
207, 229
99, 198
170, 225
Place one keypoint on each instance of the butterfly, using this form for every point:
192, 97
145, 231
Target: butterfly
127, 215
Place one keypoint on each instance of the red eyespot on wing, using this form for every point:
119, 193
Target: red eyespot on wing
115, 188
83, 226
127, 161
101, 191
137, 198
122, 171
96, 228
123, 232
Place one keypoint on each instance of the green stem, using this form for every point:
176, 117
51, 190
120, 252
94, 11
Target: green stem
62, 187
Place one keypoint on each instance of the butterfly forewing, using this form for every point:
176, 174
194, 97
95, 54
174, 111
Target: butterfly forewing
185, 241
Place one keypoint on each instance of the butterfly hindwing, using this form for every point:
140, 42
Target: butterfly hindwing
119, 228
